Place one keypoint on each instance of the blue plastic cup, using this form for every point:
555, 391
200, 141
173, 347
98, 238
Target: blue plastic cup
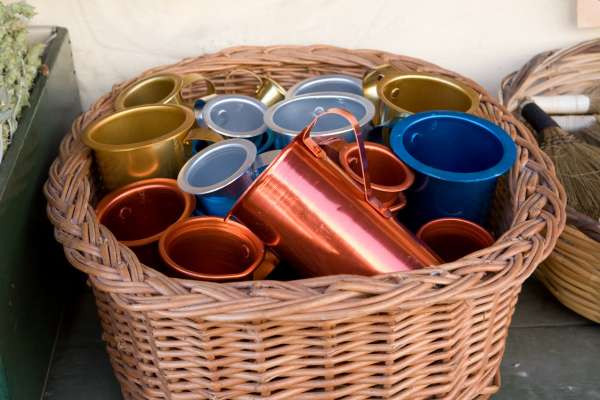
457, 159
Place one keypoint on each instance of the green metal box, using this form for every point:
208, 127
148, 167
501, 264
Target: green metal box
34, 275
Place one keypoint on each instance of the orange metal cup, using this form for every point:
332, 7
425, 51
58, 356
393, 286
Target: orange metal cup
212, 249
312, 214
139, 213
389, 176
454, 238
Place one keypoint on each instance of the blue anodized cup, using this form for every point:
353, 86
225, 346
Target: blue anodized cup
220, 173
457, 159
235, 116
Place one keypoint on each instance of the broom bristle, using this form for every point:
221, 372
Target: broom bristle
590, 134
578, 167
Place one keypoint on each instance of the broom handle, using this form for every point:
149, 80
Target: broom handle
538, 119
575, 122
566, 104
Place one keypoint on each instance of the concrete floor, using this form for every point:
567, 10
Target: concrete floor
551, 354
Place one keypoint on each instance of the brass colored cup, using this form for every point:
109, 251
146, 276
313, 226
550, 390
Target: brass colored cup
139, 213
268, 91
397, 94
140, 143
161, 89
213, 249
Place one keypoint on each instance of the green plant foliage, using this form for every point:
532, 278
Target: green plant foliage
19, 65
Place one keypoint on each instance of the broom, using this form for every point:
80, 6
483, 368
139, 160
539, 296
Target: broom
577, 163
586, 103
585, 127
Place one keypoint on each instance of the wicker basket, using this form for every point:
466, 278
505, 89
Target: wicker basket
572, 272
431, 333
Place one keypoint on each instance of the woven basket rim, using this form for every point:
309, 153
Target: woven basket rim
538, 218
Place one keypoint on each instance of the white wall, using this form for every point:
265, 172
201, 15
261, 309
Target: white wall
483, 39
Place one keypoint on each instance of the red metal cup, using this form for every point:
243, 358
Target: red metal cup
139, 213
312, 214
212, 249
454, 238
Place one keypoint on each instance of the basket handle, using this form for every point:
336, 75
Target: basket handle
267, 91
318, 152
188, 79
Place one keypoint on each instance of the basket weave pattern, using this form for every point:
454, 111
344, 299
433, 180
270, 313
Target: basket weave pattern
572, 272
430, 333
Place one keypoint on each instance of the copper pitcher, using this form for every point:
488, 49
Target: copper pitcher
311, 213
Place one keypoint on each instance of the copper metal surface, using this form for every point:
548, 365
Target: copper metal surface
454, 238
389, 176
140, 143
161, 89
313, 215
139, 213
212, 249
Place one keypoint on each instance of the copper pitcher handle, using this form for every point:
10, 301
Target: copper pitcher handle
317, 151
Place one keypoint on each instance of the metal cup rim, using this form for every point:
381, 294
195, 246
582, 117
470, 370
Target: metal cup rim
126, 92
471, 94
409, 175
208, 120
111, 199
504, 164
341, 77
188, 167
270, 113
216, 223
461, 224
89, 141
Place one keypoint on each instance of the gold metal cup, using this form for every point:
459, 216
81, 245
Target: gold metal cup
161, 89
142, 142
267, 91
397, 94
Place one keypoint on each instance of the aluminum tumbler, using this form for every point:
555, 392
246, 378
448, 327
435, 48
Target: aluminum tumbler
454, 238
457, 159
211, 249
140, 143
139, 213
313, 215
236, 117
327, 83
397, 94
289, 117
219, 174
389, 176
161, 89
